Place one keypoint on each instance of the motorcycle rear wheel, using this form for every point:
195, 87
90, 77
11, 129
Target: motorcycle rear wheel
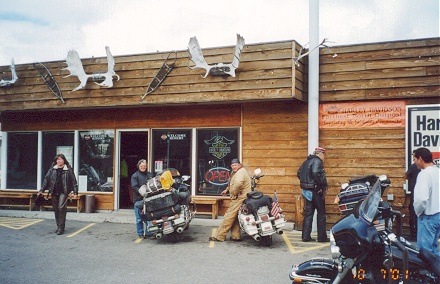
174, 237
266, 241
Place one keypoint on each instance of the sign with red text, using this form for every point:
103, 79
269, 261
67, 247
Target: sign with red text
423, 130
217, 176
362, 114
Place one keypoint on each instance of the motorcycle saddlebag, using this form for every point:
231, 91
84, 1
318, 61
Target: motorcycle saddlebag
254, 204
354, 192
255, 194
184, 197
169, 211
161, 201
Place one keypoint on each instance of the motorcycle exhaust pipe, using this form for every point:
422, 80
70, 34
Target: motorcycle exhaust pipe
179, 230
159, 235
280, 232
257, 237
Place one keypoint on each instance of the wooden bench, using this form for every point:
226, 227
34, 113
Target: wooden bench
77, 203
6, 196
208, 200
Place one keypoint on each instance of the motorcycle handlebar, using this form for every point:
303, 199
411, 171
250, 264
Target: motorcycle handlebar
399, 216
404, 251
257, 176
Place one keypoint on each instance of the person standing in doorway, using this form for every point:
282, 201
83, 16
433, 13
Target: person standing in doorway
427, 201
314, 185
411, 176
60, 181
138, 179
239, 186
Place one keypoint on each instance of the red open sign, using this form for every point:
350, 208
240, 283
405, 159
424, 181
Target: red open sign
217, 176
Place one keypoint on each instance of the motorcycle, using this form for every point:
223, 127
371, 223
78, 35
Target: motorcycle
355, 190
260, 217
362, 245
166, 211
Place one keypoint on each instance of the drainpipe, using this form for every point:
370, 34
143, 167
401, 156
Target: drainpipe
313, 106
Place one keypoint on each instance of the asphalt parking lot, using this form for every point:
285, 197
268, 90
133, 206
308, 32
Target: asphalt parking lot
112, 252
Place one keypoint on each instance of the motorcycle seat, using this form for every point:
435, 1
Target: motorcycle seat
430, 258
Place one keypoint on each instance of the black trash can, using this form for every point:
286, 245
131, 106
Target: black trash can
90, 203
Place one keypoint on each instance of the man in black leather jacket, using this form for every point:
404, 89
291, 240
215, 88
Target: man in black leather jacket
314, 185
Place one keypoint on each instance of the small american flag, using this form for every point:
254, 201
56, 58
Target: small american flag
276, 210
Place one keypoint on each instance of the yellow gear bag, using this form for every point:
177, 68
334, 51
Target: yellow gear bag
166, 179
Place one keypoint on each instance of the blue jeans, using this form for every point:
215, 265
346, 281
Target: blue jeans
139, 222
428, 232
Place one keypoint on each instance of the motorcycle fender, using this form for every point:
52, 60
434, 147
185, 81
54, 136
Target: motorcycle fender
316, 270
266, 228
279, 223
247, 226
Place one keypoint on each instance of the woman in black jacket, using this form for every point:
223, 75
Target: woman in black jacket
138, 179
60, 181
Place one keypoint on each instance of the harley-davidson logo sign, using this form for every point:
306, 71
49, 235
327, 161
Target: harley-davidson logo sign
219, 146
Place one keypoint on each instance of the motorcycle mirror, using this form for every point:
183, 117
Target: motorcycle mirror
382, 177
185, 178
257, 171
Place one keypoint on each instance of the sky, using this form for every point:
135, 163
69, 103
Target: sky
45, 30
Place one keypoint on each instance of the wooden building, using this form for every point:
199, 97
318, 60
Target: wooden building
198, 124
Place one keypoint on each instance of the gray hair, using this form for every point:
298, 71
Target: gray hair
140, 162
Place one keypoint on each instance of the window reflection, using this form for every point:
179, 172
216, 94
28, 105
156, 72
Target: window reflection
96, 160
22, 160
216, 148
172, 149
55, 143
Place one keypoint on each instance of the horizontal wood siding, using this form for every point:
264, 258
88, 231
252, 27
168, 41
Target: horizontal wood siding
357, 152
275, 140
145, 117
265, 73
404, 69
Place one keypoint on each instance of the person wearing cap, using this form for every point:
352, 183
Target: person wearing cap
239, 186
314, 185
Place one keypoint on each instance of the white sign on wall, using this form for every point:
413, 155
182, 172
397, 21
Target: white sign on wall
423, 130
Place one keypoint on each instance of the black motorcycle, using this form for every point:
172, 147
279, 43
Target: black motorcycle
364, 250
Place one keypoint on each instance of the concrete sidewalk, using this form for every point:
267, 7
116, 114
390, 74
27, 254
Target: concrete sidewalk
124, 216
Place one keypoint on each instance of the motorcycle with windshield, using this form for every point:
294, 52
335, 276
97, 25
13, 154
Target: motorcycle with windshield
364, 250
260, 216
166, 206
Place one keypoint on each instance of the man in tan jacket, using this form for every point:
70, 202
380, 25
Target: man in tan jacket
239, 186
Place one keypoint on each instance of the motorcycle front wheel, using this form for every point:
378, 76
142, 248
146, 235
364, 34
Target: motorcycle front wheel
266, 241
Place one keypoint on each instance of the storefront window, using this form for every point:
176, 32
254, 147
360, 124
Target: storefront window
22, 161
172, 149
55, 143
96, 160
215, 150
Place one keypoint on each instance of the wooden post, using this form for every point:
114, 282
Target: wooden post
299, 209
